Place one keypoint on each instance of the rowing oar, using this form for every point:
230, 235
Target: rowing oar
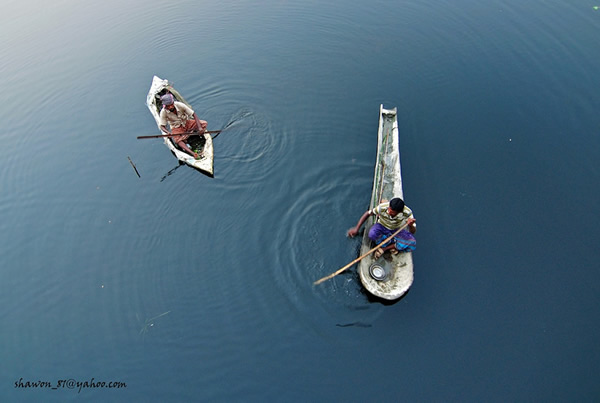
360, 258
179, 134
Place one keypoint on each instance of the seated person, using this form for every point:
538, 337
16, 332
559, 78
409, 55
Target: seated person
182, 120
392, 215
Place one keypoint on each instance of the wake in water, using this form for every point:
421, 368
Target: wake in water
149, 323
238, 117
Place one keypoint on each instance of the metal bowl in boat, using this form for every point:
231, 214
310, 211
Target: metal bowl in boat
377, 272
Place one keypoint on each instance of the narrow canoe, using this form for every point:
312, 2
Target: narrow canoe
202, 144
387, 184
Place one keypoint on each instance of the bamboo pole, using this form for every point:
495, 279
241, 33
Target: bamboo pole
361, 257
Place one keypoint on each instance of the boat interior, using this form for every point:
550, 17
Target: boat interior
196, 143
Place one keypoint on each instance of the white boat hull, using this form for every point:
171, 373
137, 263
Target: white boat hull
387, 184
204, 164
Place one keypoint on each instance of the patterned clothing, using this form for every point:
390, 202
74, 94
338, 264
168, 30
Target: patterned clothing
389, 222
190, 126
404, 240
387, 225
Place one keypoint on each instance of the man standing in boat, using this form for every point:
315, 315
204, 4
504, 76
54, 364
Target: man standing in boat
182, 120
391, 216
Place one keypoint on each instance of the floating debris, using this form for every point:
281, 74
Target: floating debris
149, 323
133, 165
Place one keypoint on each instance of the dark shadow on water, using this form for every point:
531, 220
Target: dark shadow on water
374, 299
354, 324
172, 171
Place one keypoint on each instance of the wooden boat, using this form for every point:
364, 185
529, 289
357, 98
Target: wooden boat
397, 271
201, 144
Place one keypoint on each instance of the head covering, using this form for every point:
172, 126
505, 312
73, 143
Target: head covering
397, 204
167, 99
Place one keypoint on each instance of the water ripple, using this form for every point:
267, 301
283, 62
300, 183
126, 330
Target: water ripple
318, 245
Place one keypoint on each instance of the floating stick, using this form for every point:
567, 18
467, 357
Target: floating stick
133, 165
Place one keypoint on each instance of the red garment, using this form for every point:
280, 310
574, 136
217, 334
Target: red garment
190, 126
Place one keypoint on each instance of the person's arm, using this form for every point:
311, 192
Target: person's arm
201, 124
352, 232
412, 225
163, 122
198, 125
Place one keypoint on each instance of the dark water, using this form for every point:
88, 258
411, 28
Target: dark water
188, 288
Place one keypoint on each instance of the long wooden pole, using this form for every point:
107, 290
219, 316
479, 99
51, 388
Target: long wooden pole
361, 257
180, 134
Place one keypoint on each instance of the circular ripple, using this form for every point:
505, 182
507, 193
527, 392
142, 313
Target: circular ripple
318, 246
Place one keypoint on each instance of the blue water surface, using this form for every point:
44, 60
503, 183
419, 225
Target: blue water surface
183, 287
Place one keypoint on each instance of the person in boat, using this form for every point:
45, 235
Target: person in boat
182, 120
391, 216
